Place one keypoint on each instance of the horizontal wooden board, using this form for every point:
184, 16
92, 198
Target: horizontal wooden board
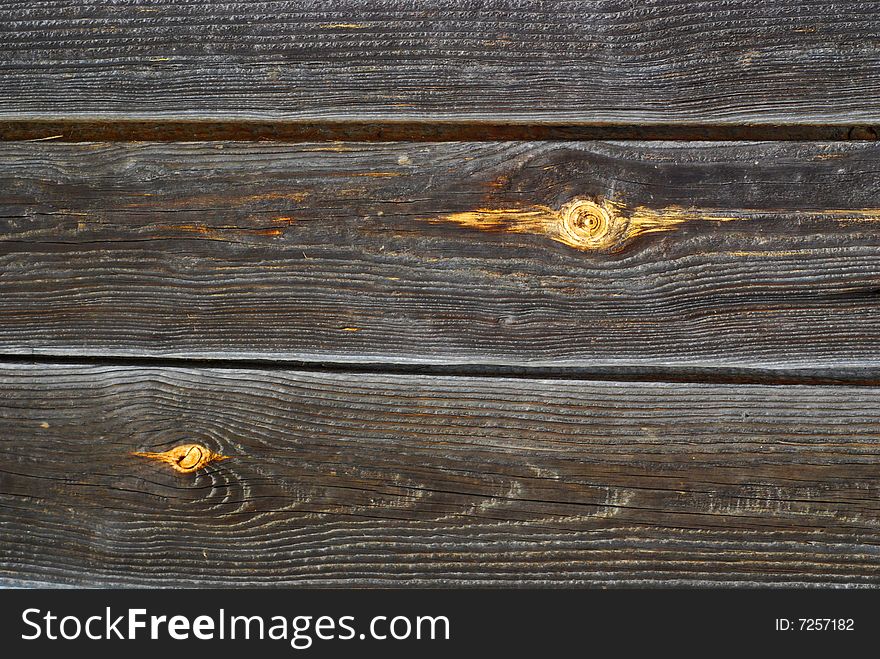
587, 254
602, 61
331, 479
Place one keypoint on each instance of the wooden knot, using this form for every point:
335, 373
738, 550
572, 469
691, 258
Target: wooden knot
600, 225
588, 225
186, 458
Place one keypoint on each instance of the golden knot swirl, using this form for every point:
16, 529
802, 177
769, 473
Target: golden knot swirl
186, 458
588, 225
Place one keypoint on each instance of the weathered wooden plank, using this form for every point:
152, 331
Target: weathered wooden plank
647, 255
603, 61
332, 479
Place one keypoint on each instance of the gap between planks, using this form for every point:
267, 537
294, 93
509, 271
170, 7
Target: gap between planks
868, 376
198, 130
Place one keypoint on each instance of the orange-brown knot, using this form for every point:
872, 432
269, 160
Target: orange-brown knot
588, 225
186, 458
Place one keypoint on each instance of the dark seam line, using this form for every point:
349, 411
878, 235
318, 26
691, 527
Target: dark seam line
849, 376
195, 130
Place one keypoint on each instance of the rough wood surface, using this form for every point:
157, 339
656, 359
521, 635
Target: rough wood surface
689, 61
401, 480
544, 254
160, 435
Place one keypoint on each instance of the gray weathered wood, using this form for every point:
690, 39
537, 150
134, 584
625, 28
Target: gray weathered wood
444, 254
604, 61
403, 480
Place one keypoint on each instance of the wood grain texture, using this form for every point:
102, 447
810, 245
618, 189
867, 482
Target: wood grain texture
605, 61
403, 480
710, 255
